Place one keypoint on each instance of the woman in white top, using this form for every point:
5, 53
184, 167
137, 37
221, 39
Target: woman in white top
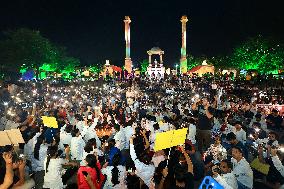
53, 168
115, 175
77, 145
40, 153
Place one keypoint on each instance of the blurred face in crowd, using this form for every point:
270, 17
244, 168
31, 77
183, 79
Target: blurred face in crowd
238, 127
272, 136
275, 113
217, 140
205, 101
237, 154
224, 167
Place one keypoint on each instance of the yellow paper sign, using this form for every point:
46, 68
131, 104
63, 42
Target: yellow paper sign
169, 139
49, 121
179, 137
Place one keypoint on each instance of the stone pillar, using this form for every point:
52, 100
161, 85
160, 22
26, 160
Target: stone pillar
150, 58
128, 62
161, 58
183, 60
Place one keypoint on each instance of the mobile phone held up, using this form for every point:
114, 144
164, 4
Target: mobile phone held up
85, 173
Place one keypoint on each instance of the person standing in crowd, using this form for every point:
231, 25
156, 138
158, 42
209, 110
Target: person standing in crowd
77, 146
205, 123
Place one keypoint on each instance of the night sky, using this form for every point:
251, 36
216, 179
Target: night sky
94, 30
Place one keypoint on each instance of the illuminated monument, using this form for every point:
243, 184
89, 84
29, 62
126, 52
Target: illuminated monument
128, 62
183, 60
155, 69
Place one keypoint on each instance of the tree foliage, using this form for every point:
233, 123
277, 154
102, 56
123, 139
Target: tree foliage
144, 65
194, 61
258, 53
25, 49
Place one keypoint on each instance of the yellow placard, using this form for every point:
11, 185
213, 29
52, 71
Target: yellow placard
179, 137
163, 140
49, 121
169, 139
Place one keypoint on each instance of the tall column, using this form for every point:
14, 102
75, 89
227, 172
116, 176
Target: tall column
150, 58
161, 58
128, 62
183, 60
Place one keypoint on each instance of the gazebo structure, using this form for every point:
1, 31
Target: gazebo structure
156, 69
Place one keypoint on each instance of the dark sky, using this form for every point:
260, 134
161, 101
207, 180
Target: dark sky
94, 30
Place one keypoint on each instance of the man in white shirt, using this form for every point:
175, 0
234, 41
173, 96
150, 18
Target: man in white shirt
119, 137
225, 177
191, 131
241, 169
89, 132
144, 171
241, 135
65, 136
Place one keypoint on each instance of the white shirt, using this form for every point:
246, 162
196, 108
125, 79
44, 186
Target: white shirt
228, 181
65, 138
243, 172
29, 147
52, 178
121, 177
145, 172
120, 140
89, 133
265, 141
278, 165
80, 125
191, 133
77, 148
128, 132
229, 129
38, 164
241, 136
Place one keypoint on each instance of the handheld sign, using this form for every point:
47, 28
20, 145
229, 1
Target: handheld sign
50, 122
170, 139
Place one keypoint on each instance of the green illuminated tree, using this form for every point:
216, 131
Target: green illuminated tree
144, 65
193, 61
258, 53
26, 47
96, 68
68, 66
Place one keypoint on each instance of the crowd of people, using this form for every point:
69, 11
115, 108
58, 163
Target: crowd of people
107, 131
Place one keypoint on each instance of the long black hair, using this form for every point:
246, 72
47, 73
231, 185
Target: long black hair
90, 145
51, 152
92, 162
114, 171
40, 140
